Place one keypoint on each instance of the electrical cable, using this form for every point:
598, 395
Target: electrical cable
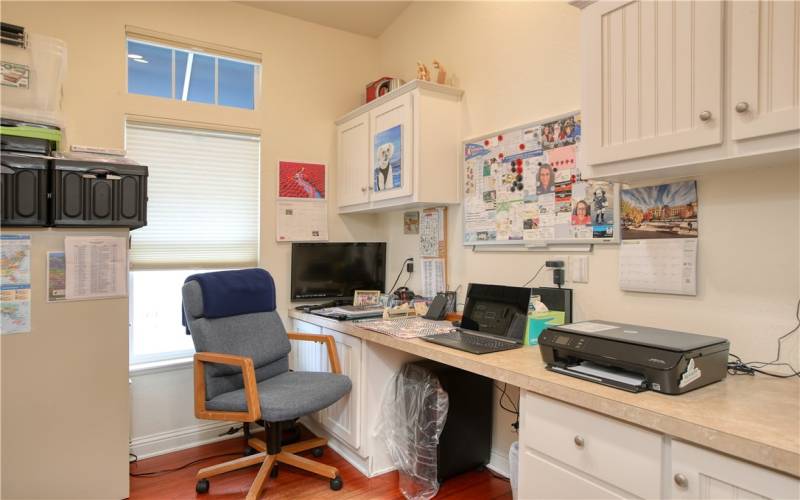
157, 473
534, 276
504, 394
740, 367
402, 267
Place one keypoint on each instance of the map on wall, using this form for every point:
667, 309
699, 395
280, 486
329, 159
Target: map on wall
523, 186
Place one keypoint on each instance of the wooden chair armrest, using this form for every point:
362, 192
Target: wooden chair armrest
328, 340
253, 412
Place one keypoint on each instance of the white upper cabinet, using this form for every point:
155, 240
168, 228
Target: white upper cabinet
679, 87
353, 172
401, 150
765, 61
654, 76
392, 146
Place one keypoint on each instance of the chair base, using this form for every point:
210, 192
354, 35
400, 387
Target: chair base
287, 455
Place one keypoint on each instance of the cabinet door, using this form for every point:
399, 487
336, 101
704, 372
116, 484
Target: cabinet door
698, 473
353, 168
391, 145
652, 78
765, 60
343, 418
540, 478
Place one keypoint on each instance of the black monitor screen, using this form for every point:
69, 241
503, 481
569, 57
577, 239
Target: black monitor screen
336, 270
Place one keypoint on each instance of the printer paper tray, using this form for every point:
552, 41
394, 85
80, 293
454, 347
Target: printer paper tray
627, 381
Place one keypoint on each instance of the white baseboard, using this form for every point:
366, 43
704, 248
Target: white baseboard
499, 463
180, 439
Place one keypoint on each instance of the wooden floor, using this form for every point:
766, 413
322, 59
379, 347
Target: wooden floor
292, 483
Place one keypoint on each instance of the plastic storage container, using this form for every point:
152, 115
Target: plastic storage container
86, 193
24, 190
27, 137
32, 80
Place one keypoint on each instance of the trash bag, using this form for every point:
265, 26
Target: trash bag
413, 414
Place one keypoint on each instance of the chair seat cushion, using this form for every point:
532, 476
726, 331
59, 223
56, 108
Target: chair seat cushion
288, 396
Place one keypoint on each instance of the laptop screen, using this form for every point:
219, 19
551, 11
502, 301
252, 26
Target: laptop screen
491, 308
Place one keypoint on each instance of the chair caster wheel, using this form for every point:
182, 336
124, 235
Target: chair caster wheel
250, 451
336, 483
202, 486
273, 473
317, 452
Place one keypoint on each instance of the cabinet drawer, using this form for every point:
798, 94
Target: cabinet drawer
540, 478
618, 453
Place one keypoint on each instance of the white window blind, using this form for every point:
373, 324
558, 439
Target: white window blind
203, 190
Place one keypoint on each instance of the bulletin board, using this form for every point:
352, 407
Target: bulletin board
522, 186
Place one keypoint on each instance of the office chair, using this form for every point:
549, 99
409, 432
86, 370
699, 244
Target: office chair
241, 372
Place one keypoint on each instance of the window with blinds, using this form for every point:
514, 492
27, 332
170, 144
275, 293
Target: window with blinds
203, 208
203, 198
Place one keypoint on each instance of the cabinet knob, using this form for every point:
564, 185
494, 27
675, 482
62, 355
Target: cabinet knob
364, 189
681, 480
705, 116
741, 107
579, 442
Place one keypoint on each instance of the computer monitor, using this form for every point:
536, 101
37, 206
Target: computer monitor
491, 308
336, 270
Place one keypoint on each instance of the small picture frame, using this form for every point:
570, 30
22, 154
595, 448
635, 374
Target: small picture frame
362, 298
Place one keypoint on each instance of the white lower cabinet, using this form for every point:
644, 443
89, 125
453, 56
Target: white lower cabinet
569, 453
697, 473
610, 457
542, 478
343, 418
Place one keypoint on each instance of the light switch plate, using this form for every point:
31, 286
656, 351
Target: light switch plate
579, 268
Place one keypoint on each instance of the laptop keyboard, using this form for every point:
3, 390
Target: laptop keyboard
474, 340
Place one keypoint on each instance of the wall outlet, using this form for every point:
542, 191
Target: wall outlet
579, 265
410, 266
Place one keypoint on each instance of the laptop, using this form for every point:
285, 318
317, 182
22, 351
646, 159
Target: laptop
494, 320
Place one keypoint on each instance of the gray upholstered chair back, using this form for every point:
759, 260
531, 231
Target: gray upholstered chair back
260, 336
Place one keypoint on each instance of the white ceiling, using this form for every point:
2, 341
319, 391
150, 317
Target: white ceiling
363, 18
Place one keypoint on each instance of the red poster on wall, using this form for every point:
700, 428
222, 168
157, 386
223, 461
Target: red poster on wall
301, 180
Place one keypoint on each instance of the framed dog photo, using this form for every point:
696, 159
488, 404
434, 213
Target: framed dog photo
362, 298
387, 159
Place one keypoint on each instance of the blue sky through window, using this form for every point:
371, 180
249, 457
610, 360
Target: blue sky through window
161, 71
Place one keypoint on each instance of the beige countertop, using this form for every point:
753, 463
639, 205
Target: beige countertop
752, 418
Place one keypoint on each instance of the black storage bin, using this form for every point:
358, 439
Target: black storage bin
86, 193
24, 190
466, 440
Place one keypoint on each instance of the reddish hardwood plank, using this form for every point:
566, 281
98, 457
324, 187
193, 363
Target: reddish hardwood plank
291, 483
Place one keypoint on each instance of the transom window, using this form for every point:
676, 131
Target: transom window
160, 70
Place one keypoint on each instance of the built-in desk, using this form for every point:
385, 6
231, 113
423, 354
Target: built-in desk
756, 419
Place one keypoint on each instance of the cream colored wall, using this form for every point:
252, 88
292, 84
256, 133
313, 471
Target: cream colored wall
519, 62
310, 76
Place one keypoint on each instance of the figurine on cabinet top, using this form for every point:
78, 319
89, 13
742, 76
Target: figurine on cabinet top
422, 72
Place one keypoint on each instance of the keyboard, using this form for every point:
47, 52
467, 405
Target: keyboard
465, 341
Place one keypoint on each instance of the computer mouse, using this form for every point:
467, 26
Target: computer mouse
456, 323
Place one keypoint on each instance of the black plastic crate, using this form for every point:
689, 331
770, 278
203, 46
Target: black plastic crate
24, 189
99, 194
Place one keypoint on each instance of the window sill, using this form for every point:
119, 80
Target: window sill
167, 365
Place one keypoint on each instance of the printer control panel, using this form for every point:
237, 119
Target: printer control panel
571, 341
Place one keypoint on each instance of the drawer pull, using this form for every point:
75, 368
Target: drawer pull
741, 107
579, 442
705, 116
681, 480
